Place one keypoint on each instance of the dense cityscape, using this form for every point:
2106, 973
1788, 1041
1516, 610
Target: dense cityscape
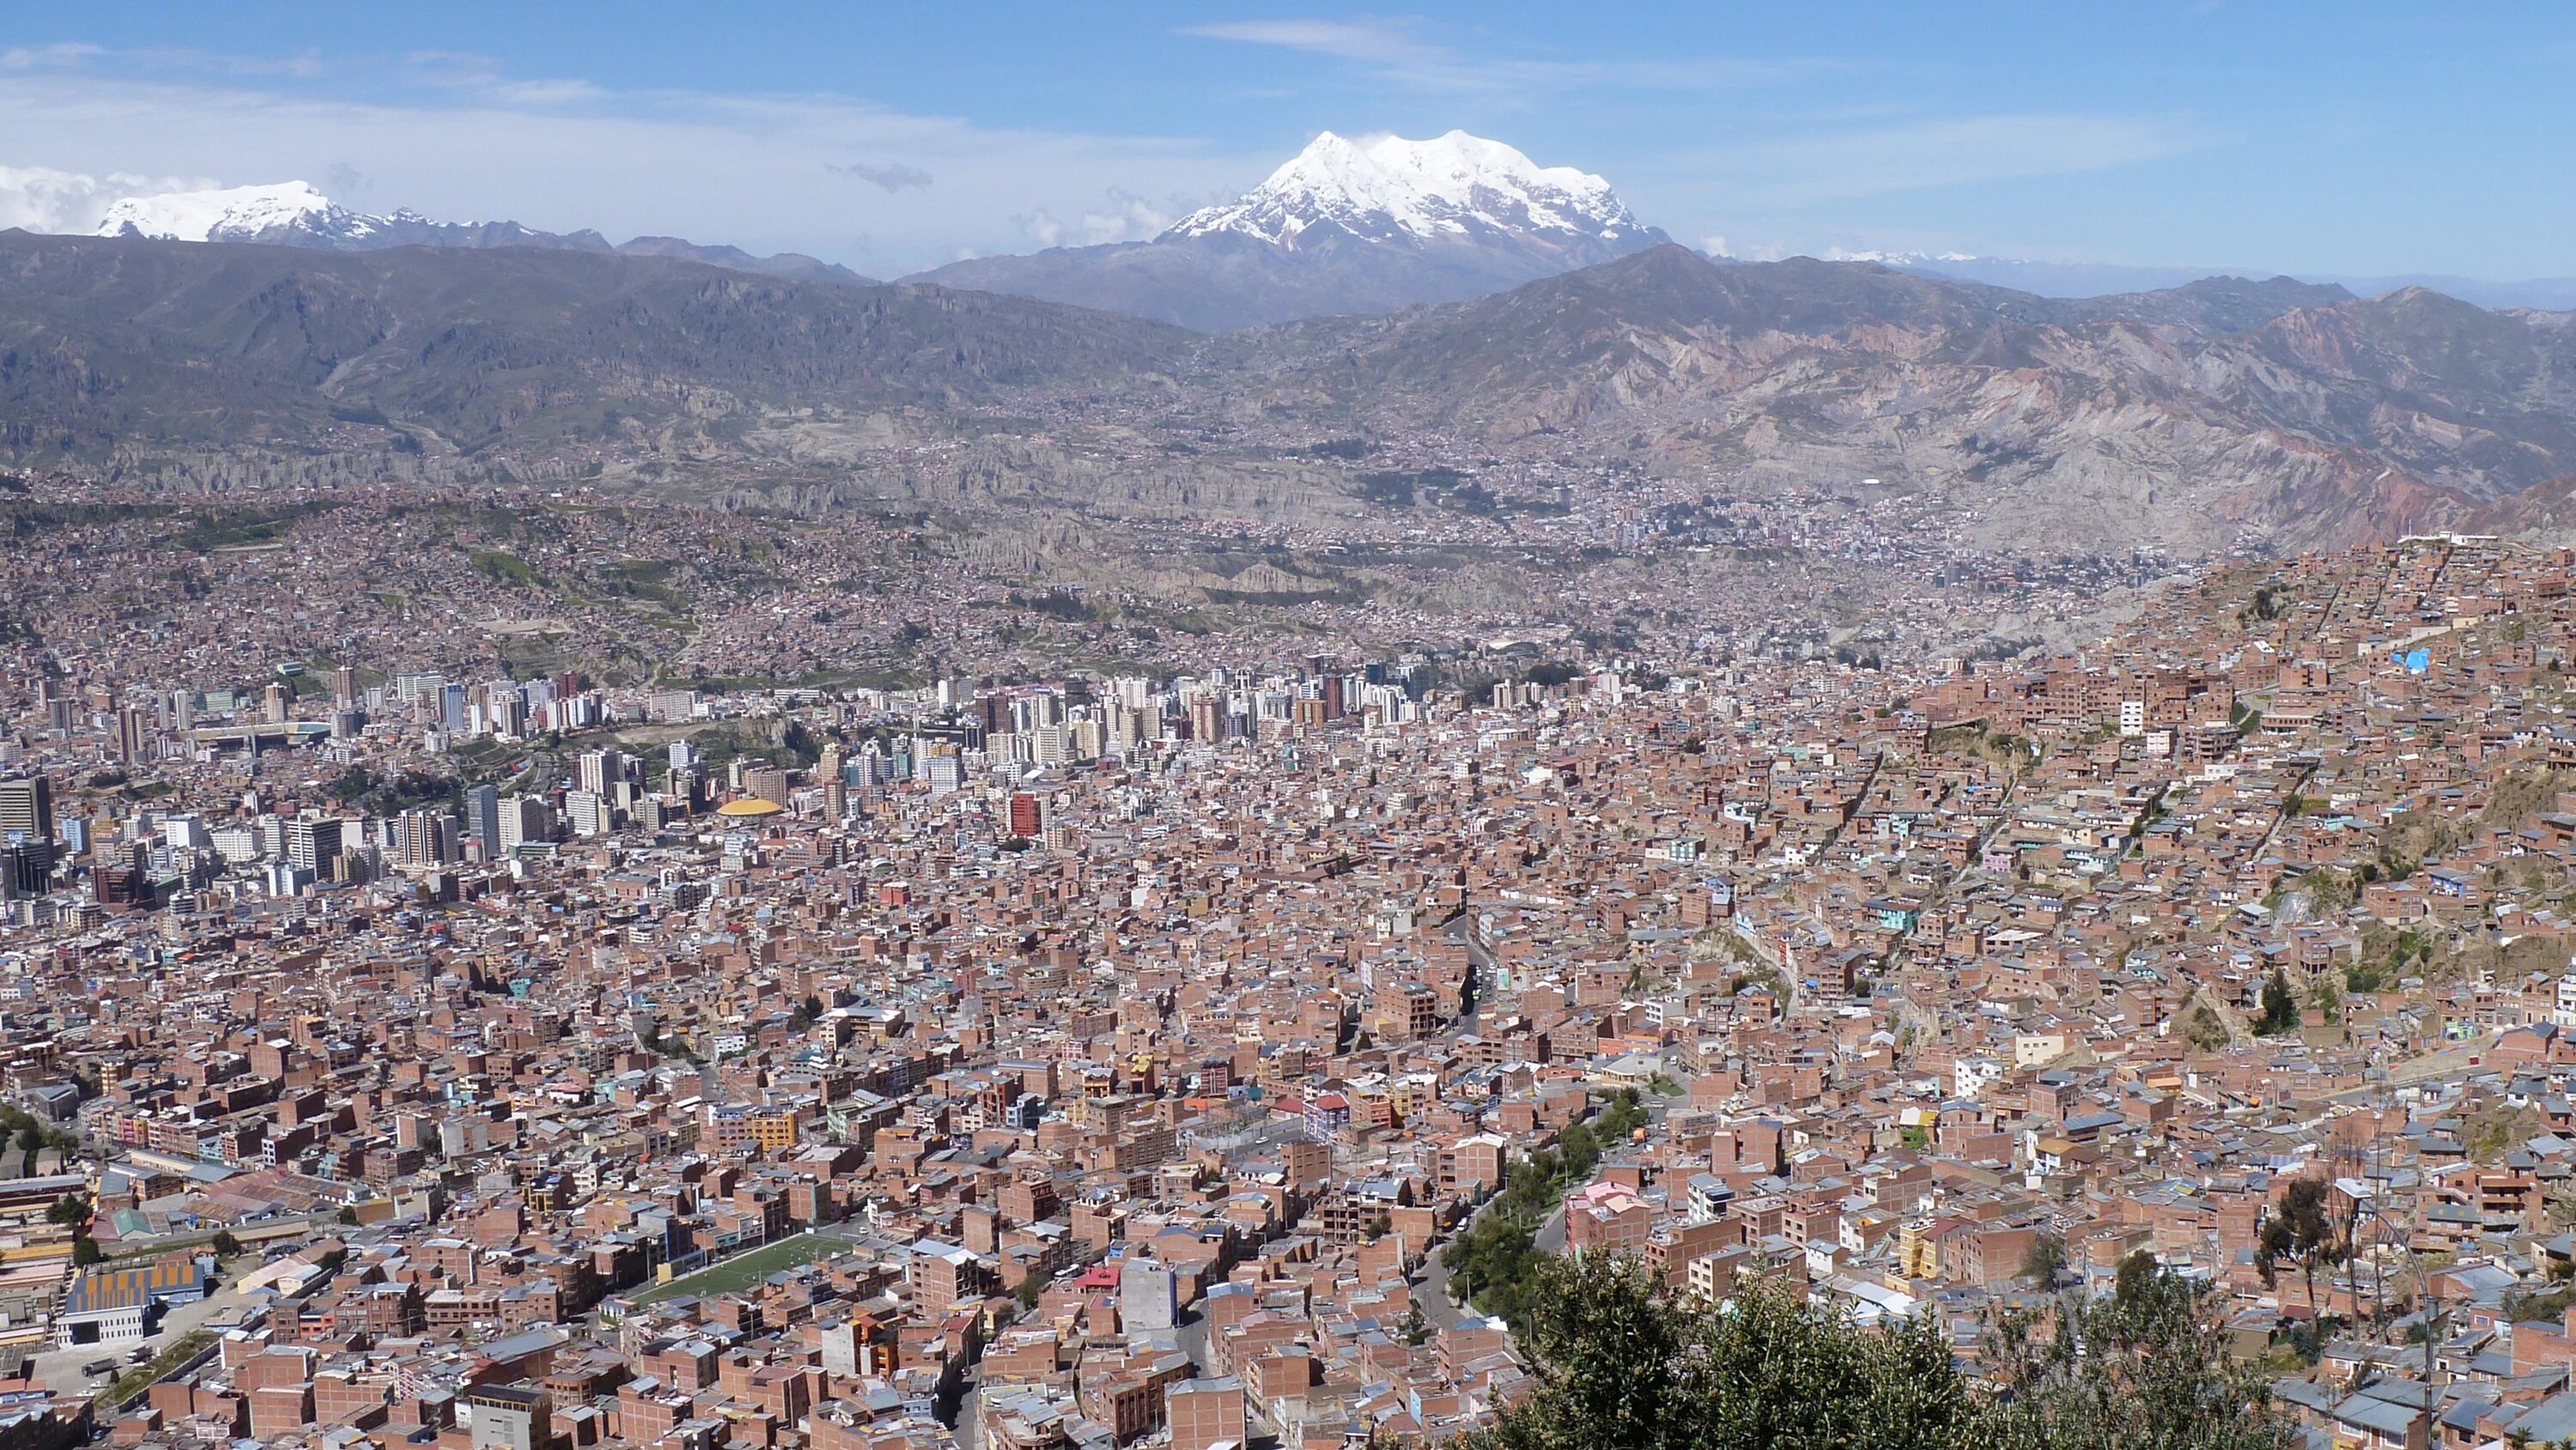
1143, 727
401, 1049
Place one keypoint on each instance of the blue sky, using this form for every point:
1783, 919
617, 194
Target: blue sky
2310, 138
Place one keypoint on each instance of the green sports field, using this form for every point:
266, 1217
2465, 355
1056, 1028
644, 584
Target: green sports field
744, 1270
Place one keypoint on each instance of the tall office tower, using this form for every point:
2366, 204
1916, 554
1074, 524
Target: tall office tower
451, 709
26, 867
767, 782
133, 733
27, 808
273, 703
425, 838
525, 818
596, 770
344, 687
587, 811
312, 845
483, 818
835, 777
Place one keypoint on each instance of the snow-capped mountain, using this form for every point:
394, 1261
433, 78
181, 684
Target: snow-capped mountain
234, 214
1343, 226
296, 214
1391, 189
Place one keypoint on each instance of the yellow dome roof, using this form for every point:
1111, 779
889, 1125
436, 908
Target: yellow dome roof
750, 805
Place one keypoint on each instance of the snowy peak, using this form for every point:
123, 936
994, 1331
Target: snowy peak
1455, 187
1346, 226
234, 214
294, 214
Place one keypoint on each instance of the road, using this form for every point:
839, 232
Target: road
1441, 1311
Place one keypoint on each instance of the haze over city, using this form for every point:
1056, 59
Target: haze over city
1140, 728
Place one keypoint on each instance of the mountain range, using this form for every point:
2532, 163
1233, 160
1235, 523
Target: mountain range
1341, 227
2094, 279
295, 214
2224, 413
131, 352
2220, 414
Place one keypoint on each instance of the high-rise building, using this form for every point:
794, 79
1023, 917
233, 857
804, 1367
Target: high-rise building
586, 811
1027, 819
275, 703
596, 770
767, 782
312, 845
134, 733
483, 817
424, 838
525, 819
26, 867
27, 807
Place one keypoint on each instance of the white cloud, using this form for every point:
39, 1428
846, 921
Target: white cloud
43, 199
1129, 219
751, 171
1392, 54
547, 93
46, 57
893, 176
1349, 39
1802, 171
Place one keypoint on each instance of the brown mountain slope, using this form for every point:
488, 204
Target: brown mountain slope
2192, 420
2322, 425
136, 344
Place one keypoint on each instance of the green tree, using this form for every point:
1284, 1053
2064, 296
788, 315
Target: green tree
2298, 1230
2146, 1368
2135, 1275
2280, 1006
225, 1245
2044, 1262
1625, 1364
